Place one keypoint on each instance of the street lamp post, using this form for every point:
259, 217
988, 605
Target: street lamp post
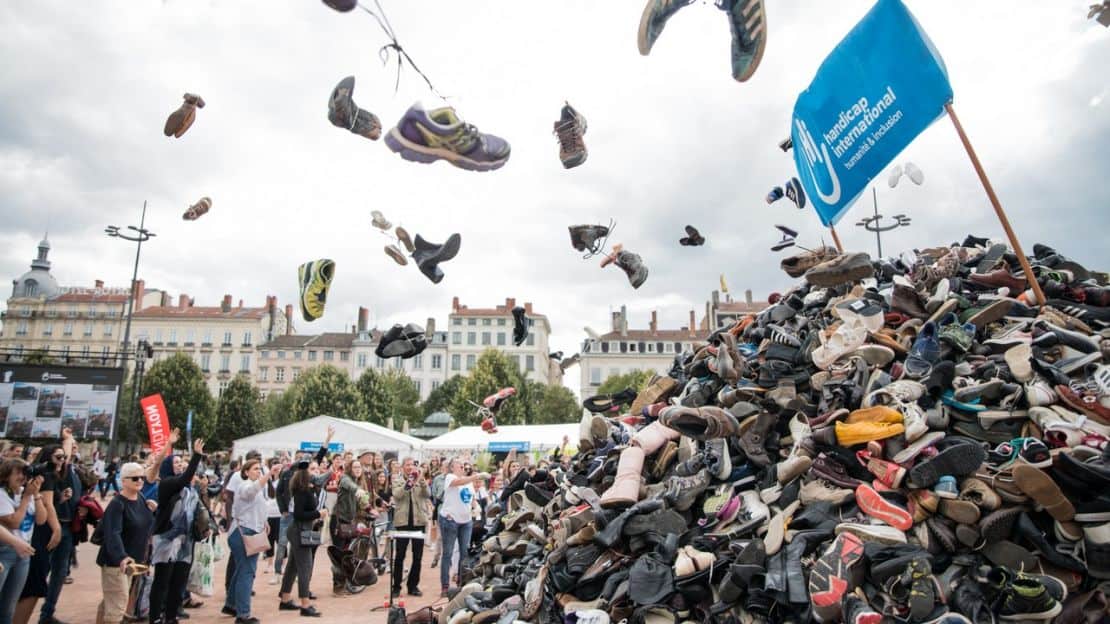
140, 236
872, 224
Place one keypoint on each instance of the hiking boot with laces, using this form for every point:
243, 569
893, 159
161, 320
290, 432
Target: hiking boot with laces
588, 238
747, 19
344, 113
570, 129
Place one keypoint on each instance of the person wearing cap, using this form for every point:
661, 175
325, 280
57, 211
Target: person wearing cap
126, 528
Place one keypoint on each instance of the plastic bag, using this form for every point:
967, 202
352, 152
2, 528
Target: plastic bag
200, 574
219, 551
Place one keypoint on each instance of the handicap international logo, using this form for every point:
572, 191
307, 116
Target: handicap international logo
872, 95
466, 495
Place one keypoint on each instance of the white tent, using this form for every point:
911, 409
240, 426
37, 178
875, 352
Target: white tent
309, 434
521, 437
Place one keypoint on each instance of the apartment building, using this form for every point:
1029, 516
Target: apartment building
473, 330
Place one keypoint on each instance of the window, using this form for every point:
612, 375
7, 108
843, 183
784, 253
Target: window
103, 354
190, 336
437, 362
362, 360
265, 355
595, 376
470, 359
225, 363
48, 330
624, 347
279, 374
246, 339
632, 347
398, 363
486, 338
281, 355
678, 347
613, 347
604, 347
531, 339
92, 311
85, 352
264, 373
296, 373
173, 336
65, 351
435, 384
208, 336
516, 361
297, 355
158, 336
486, 321
245, 363
30, 287
227, 339
72, 311
107, 330
223, 386
456, 321
329, 356
205, 362
456, 338
530, 362
68, 329
21, 329
416, 382
471, 338
500, 339
418, 362
311, 356
88, 329
651, 347
472, 321
500, 322
456, 359
344, 356
642, 347
379, 362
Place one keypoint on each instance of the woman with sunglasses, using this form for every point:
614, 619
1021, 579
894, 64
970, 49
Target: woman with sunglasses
172, 543
125, 528
20, 511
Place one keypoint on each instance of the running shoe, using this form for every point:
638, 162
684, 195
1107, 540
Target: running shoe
748, 21
427, 136
570, 129
315, 280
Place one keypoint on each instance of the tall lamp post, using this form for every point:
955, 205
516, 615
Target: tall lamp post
140, 236
872, 224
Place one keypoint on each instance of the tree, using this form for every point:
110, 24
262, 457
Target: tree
376, 395
406, 398
276, 410
239, 413
39, 357
492, 372
326, 390
439, 400
636, 379
179, 380
557, 404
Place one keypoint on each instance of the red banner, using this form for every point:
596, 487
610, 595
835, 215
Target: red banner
157, 421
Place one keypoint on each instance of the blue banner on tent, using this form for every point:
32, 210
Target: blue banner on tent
879, 88
312, 447
505, 447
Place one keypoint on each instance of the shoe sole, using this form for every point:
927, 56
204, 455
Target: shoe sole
1044, 615
831, 577
878, 507
415, 152
958, 460
642, 43
396, 254
1098, 516
758, 56
913, 450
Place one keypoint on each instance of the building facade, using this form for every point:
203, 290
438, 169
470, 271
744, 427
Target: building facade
473, 330
78, 325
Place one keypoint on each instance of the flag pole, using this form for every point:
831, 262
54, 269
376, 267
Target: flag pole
836, 239
1029, 277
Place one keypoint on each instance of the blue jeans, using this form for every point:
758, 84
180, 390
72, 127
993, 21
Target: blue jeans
11, 581
59, 570
239, 592
451, 532
282, 541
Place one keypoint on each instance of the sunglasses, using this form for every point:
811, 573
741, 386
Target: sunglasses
62, 456
133, 478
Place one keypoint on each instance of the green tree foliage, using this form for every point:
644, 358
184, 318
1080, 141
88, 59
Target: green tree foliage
239, 413
557, 404
179, 380
439, 400
406, 399
276, 410
377, 396
636, 380
326, 390
39, 357
493, 371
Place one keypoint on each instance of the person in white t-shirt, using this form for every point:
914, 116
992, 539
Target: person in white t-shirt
455, 518
20, 511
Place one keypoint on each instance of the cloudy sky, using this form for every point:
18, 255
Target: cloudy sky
86, 87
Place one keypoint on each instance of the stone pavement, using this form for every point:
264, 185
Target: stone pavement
80, 599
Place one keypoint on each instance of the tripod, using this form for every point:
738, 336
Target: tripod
393, 536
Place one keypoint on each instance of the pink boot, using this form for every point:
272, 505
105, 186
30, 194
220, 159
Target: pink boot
625, 490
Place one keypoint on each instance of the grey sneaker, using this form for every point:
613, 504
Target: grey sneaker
655, 16
748, 21
633, 267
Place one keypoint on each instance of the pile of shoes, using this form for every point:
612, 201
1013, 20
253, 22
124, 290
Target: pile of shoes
905, 440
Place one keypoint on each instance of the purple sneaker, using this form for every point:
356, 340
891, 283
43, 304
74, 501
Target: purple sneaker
427, 136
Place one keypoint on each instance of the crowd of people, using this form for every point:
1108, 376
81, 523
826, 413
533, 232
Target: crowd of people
158, 518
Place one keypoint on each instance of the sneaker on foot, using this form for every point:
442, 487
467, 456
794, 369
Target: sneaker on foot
570, 129
344, 113
315, 280
427, 136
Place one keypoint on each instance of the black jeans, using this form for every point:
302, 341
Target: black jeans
299, 564
275, 527
165, 591
399, 548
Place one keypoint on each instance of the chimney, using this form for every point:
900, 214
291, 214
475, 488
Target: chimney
716, 298
139, 293
624, 321
454, 304
430, 328
271, 303
225, 305
693, 325
288, 319
99, 283
748, 296
165, 303
182, 300
240, 303
363, 318
354, 329
615, 322
654, 323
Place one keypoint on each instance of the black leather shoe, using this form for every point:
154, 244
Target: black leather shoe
228, 611
288, 606
310, 611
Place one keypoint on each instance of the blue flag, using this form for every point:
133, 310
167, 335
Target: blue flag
878, 89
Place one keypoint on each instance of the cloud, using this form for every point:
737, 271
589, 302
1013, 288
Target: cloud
672, 139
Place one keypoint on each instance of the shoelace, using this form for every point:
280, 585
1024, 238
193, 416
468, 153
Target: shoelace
402, 55
570, 136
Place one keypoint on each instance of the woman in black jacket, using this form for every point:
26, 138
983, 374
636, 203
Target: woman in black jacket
172, 543
305, 512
